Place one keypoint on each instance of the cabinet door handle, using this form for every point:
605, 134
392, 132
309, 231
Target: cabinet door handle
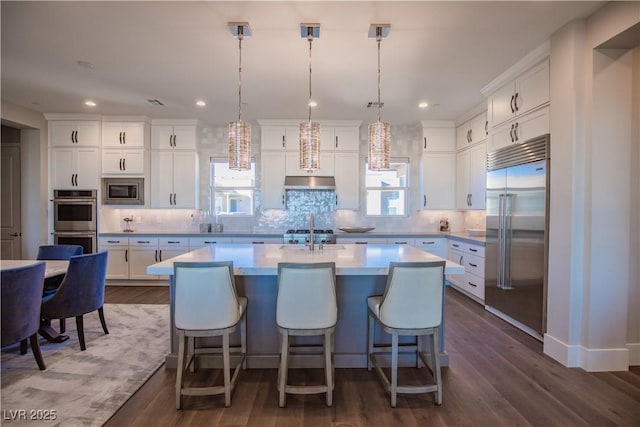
126, 255
470, 200
425, 142
124, 164
336, 141
511, 104
283, 142
515, 101
472, 284
170, 202
336, 200
124, 137
120, 164
515, 131
120, 137
76, 180
461, 257
174, 199
72, 175
160, 254
424, 200
283, 200
470, 135
473, 250
511, 133
75, 136
486, 127
473, 265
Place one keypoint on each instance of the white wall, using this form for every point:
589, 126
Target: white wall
633, 324
34, 167
591, 194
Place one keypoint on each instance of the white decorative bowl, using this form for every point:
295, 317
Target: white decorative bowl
356, 229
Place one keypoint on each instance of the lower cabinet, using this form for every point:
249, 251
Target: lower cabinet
434, 245
471, 257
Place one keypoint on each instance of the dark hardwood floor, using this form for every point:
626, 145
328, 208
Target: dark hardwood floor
498, 376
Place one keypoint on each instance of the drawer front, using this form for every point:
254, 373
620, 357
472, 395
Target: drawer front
456, 245
143, 242
107, 242
173, 242
475, 250
411, 242
474, 265
201, 242
361, 240
474, 285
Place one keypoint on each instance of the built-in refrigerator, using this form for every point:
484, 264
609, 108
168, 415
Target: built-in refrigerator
516, 252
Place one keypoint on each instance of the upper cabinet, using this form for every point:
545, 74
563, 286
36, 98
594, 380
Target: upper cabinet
280, 138
438, 136
529, 126
123, 134
74, 133
518, 97
339, 138
166, 136
347, 174
472, 131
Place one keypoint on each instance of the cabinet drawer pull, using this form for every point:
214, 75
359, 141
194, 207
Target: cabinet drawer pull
428, 243
144, 241
257, 243
283, 143
210, 242
461, 258
473, 265
472, 284
400, 243
173, 241
361, 243
473, 250
455, 245
113, 241
336, 141
126, 255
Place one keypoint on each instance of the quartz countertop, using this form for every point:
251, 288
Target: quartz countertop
262, 260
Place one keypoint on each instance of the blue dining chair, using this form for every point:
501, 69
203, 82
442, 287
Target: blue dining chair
21, 297
56, 252
81, 292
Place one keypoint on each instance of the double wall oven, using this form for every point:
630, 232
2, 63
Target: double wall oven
75, 219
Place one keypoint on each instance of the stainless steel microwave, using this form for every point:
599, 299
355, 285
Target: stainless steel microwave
123, 191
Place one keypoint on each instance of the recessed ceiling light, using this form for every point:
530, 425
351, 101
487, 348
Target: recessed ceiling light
201, 103
90, 103
423, 105
313, 104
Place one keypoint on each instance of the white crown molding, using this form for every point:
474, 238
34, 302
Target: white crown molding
293, 122
473, 112
437, 124
176, 122
126, 119
71, 116
533, 58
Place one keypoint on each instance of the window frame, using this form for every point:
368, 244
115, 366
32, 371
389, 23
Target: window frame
213, 189
406, 188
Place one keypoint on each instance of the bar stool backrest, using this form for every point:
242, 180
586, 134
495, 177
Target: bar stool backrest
306, 295
413, 295
205, 295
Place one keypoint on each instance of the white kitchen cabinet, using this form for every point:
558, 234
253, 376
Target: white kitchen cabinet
77, 168
174, 136
201, 242
437, 181
174, 179
433, 245
280, 138
118, 258
471, 173
527, 126
143, 251
438, 136
471, 256
339, 138
360, 240
472, 131
169, 247
257, 240
69, 133
123, 134
521, 95
273, 173
122, 162
347, 175
292, 165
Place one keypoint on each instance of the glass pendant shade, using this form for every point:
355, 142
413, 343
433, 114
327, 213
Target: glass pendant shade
239, 145
379, 142
310, 146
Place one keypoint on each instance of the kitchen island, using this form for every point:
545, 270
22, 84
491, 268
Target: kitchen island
361, 271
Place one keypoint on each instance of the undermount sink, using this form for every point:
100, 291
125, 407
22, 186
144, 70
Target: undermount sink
305, 248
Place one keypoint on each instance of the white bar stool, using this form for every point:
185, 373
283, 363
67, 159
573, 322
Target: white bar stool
306, 306
411, 305
207, 305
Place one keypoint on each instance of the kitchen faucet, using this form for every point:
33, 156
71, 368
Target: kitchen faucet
312, 237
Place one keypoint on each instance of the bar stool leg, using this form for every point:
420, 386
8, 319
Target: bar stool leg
418, 350
226, 363
328, 369
243, 341
437, 376
180, 368
370, 339
284, 354
394, 368
191, 353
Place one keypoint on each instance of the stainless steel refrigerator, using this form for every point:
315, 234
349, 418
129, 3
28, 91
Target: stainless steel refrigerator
516, 251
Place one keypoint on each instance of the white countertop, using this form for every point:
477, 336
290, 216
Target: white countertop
262, 260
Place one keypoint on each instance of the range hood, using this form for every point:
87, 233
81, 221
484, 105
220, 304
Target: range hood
309, 182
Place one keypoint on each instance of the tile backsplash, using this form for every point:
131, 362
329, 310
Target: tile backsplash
300, 203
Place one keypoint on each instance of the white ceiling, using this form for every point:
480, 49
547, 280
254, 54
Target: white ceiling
178, 52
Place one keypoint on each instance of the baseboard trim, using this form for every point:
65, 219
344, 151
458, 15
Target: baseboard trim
634, 354
591, 360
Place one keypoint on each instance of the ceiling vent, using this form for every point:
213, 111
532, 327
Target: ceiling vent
155, 102
375, 104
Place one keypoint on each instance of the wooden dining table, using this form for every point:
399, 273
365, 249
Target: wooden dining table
52, 268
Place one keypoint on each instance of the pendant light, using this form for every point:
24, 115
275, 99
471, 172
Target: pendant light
239, 130
310, 131
379, 132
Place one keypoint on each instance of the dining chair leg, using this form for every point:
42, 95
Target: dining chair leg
102, 322
284, 354
180, 368
63, 326
80, 328
23, 346
394, 368
437, 375
370, 338
35, 348
328, 368
243, 341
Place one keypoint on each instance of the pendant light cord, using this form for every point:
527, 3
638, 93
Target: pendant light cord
310, 38
240, 37
378, 39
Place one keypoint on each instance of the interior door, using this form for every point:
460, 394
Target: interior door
11, 225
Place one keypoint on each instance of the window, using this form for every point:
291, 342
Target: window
387, 189
231, 191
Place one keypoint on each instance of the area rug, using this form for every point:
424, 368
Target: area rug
85, 388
